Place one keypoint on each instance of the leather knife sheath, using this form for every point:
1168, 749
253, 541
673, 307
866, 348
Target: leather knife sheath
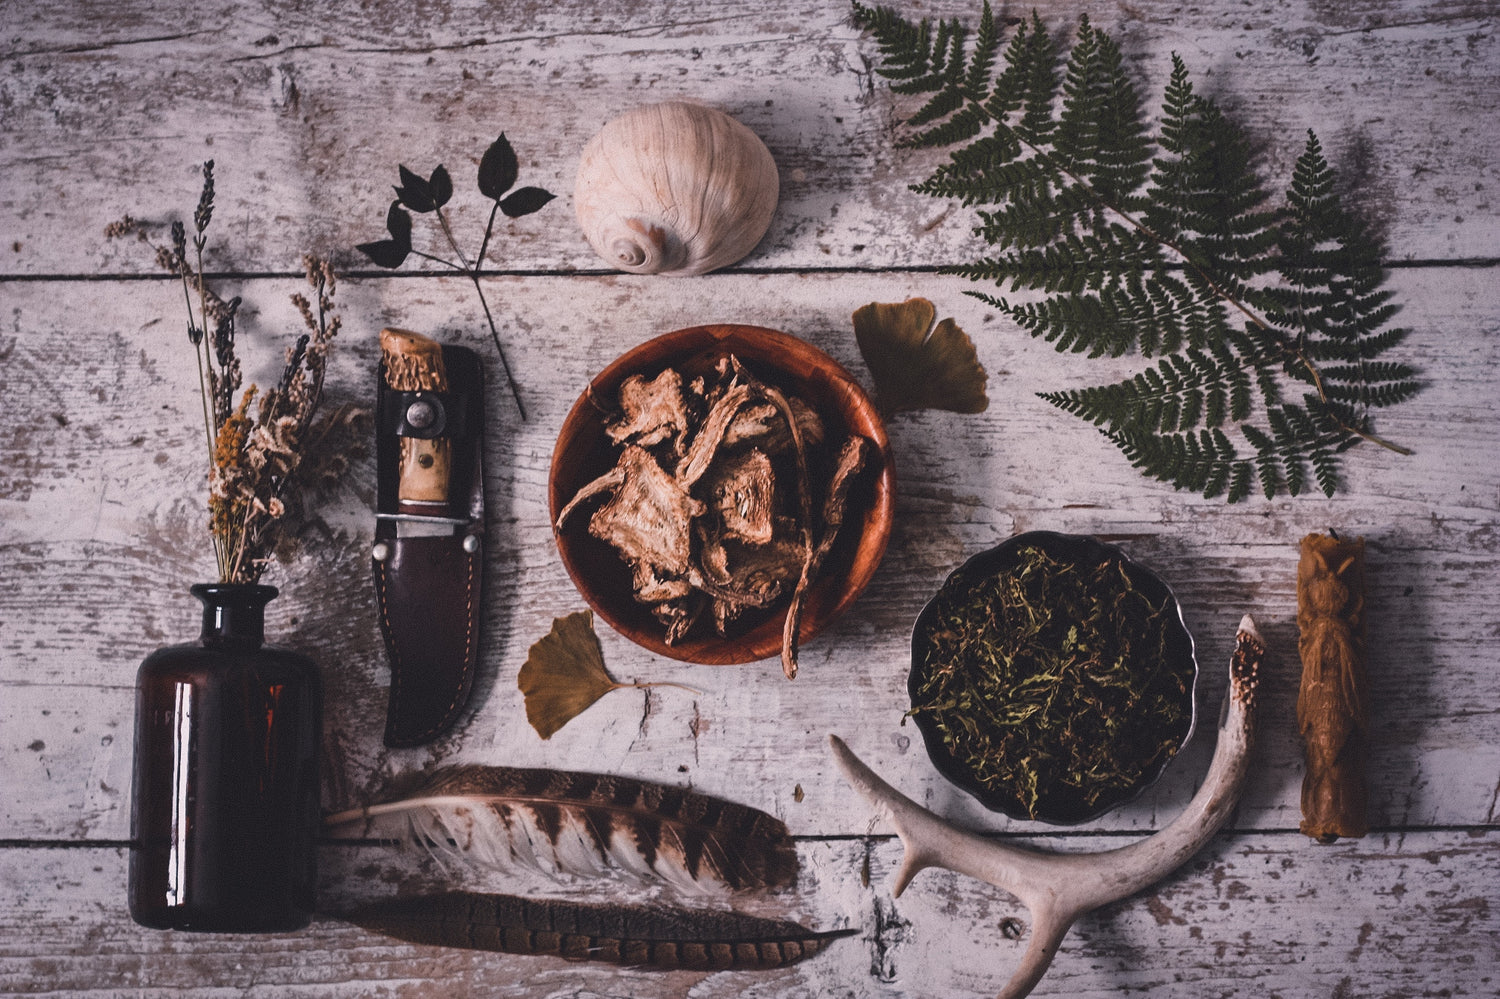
428, 558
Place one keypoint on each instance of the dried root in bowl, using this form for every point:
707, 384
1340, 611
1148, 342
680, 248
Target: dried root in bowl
726, 497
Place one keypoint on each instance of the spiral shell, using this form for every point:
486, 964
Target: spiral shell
675, 189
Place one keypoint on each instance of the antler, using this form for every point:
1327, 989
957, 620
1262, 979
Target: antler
1057, 888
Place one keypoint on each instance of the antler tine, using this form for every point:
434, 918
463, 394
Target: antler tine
929, 841
1058, 888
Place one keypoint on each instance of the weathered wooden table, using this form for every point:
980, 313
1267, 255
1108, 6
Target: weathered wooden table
307, 109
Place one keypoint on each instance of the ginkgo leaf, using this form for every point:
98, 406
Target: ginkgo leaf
564, 673
917, 366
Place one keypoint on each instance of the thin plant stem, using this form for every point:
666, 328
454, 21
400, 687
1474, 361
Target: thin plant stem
200, 350
644, 684
473, 273
438, 260
484, 244
448, 232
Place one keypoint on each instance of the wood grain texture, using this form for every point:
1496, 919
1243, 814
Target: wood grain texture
109, 111
1409, 914
110, 507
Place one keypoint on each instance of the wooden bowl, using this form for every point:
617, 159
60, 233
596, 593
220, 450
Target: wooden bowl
584, 452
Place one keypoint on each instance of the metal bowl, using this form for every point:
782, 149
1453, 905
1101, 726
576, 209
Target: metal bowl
1058, 804
584, 451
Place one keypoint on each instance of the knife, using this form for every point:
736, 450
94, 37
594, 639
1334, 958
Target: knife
428, 554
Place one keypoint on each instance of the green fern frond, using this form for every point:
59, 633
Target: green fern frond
1204, 462
1183, 392
1166, 243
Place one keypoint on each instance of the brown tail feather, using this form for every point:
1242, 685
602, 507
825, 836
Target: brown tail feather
647, 936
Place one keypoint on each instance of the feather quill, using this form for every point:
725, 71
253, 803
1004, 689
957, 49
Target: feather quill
565, 823
644, 936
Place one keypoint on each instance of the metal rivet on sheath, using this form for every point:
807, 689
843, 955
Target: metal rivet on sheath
471, 543
380, 552
421, 414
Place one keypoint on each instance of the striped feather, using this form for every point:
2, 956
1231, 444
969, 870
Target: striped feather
565, 823
645, 936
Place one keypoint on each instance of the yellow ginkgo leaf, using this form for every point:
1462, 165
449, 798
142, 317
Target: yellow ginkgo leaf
564, 673
917, 366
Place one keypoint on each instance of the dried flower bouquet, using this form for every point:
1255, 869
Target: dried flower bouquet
263, 447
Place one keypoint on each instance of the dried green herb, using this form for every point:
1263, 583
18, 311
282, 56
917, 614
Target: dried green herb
1052, 681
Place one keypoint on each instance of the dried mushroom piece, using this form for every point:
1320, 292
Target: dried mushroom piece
679, 616
706, 442
851, 461
651, 588
742, 491
751, 575
652, 412
761, 424
648, 516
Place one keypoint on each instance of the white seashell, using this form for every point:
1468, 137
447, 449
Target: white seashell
675, 189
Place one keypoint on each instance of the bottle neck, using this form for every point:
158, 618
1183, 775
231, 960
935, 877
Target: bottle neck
234, 613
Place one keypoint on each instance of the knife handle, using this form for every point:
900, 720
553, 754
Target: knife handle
425, 471
414, 363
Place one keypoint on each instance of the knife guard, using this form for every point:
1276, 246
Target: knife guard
429, 566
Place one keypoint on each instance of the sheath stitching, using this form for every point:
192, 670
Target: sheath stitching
469, 630
390, 632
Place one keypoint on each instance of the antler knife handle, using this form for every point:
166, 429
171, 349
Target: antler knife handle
413, 365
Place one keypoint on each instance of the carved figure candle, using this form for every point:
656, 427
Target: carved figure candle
1333, 702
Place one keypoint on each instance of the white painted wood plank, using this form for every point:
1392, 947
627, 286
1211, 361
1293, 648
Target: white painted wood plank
100, 534
109, 112
1251, 915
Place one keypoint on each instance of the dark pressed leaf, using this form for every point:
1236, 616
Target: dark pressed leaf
524, 201
415, 193
498, 169
387, 253
398, 223
916, 365
441, 186
564, 673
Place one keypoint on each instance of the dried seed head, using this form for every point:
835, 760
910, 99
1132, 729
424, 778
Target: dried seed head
205, 210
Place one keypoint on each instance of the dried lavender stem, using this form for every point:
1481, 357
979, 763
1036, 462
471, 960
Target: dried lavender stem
200, 349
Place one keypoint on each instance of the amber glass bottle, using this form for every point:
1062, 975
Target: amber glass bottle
224, 810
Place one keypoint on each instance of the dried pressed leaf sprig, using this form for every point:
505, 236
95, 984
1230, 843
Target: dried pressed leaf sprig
260, 444
915, 364
498, 172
